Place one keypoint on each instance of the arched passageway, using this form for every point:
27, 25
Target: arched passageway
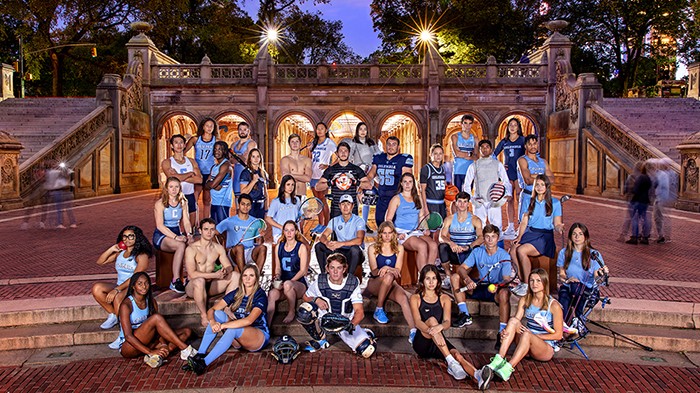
295, 123
176, 124
406, 129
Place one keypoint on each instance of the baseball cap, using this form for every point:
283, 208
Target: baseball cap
346, 198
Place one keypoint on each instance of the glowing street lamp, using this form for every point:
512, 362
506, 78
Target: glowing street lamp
426, 36
271, 35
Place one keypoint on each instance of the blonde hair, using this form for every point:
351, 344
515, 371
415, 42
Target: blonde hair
238, 298
545, 284
164, 196
394, 242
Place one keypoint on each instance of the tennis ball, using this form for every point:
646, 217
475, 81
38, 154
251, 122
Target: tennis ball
492, 288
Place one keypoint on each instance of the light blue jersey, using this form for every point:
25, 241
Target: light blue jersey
223, 196
204, 154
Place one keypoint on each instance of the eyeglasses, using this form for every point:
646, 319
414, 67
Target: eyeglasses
129, 236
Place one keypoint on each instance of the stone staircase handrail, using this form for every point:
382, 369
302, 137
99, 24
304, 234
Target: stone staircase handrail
65, 146
624, 137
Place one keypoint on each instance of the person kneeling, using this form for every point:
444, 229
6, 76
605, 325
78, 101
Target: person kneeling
539, 336
144, 331
336, 292
240, 315
431, 310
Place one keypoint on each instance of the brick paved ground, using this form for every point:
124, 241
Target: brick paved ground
39, 253
331, 368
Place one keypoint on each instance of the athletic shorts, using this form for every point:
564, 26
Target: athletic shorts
205, 177
158, 236
481, 293
219, 213
408, 234
191, 203
248, 256
459, 181
425, 347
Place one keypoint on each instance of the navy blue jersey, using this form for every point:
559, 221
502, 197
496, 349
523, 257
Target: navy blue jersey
511, 152
290, 262
389, 171
258, 191
259, 301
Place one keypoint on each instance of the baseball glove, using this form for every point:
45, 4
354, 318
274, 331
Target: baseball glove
335, 323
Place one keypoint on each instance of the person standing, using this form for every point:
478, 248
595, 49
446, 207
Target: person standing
513, 147
296, 165
343, 178
529, 167
433, 181
219, 184
184, 169
322, 149
362, 152
388, 168
242, 149
203, 144
462, 144
640, 205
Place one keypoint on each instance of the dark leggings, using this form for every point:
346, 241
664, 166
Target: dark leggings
425, 347
447, 255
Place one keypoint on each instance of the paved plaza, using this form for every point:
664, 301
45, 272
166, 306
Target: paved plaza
43, 267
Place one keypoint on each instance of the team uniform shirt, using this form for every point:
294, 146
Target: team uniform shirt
343, 180
462, 233
283, 212
536, 168
238, 167
407, 215
321, 155
531, 311
223, 196
258, 191
125, 267
511, 152
235, 228
204, 154
575, 269
466, 146
386, 260
389, 172
259, 302
171, 219
353, 297
187, 187
290, 263
539, 219
435, 180
136, 318
483, 262
346, 231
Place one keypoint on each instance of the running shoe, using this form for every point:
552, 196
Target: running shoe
380, 316
196, 364
412, 336
496, 362
316, 345
187, 352
519, 290
463, 319
153, 361
504, 371
116, 344
455, 370
110, 322
570, 330
446, 284
509, 233
177, 286
644, 240
483, 377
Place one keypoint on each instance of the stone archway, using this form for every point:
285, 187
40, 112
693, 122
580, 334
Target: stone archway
291, 123
454, 126
405, 127
176, 123
342, 126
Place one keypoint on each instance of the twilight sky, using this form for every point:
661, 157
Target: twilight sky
357, 24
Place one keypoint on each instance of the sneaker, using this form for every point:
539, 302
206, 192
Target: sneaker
73, 226
496, 362
177, 286
519, 290
569, 330
196, 364
110, 322
644, 240
380, 316
446, 284
411, 336
368, 230
462, 320
504, 371
483, 377
455, 370
60, 226
316, 345
632, 240
498, 342
116, 344
509, 233
153, 361
187, 352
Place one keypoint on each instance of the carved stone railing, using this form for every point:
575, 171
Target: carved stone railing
70, 144
400, 71
236, 72
465, 71
179, 71
348, 72
520, 71
297, 73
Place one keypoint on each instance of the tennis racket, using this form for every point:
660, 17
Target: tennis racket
541, 319
493, 278
432, 221
253, 231
310, 208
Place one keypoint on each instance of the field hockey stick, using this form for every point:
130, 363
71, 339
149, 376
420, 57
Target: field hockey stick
562, 200
486, 279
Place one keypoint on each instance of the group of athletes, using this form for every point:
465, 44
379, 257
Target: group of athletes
468, 249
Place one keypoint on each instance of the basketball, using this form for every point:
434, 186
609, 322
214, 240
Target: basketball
496, 193
451, 192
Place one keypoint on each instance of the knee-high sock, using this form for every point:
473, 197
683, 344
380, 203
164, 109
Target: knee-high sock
223, 345
209, 335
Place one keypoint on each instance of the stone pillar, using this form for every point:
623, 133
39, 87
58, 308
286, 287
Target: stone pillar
689, 196
694, 81
110, 90
264, 137
432, 65
9, 172
8, 90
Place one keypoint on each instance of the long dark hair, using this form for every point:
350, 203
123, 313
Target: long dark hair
520, 126
280, 192
314, 143
585, 253
414, 189
421, 279
141, 243
547, 196
368, 141
215, 131
149, 295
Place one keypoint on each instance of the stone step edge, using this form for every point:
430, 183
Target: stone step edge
83, 308
88, 332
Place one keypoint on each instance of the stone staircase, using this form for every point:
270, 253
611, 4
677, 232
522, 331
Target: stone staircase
37, 122
77, 322
663, 122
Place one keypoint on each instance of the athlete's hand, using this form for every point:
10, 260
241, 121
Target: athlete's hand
332, 245
215, 327
255, 178
161, 351
321, 304
435, 330
455, 248
115, 248
111, 295
471, 284
401, 236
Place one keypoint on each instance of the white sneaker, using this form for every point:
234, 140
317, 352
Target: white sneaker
187, 352
510, 233
446, 284
109, 322
154, 361
519, 290
455, 370
116, 344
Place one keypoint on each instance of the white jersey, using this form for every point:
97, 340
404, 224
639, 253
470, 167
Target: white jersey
483, 174
187, 187
321, 155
